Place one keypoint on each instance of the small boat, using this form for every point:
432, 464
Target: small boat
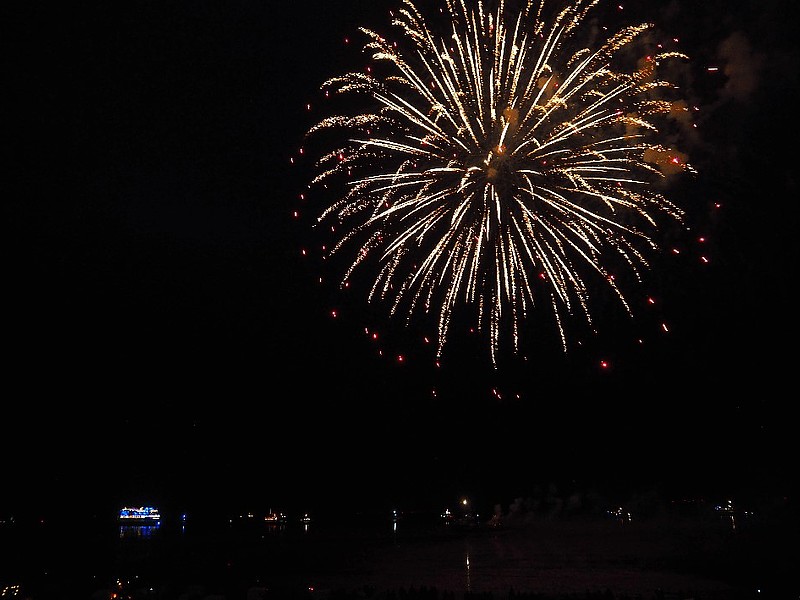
274, 518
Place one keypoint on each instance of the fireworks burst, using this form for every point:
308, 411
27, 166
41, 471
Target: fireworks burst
502, 166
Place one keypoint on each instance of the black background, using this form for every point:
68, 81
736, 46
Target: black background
167, 342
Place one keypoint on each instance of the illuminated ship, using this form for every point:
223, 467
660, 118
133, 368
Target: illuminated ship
141, 514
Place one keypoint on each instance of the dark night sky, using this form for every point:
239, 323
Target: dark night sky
166, 341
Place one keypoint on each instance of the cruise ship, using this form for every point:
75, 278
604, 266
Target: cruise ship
140, 514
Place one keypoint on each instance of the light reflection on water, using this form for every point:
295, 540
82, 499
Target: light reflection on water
466, 565
139, 531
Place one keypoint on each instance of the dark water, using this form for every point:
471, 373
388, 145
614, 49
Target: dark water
247, 559
222, 556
